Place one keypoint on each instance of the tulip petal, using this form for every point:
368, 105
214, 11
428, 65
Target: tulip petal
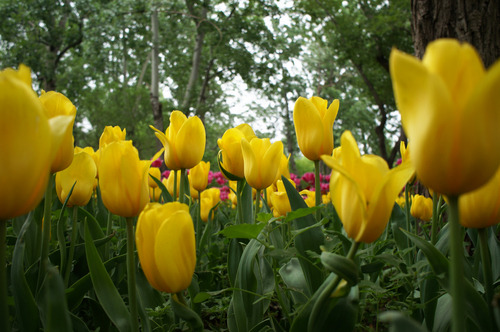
270, 163
174, 251
250, 162
328, 120
308, 127
83, 171
59, 126
190, 142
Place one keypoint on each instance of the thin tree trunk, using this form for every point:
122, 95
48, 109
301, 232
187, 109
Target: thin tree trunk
155, 103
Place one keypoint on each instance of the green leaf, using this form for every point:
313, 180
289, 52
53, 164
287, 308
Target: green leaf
476, 306
398, 222
78, 324
233, 260
108, 295
227, 174
167, 198
442, 319
246, 202
301, 212
244, 231
186, 313
342, 266
294, 279
52, 303
311, 239
400, 323
26, 307
61, 239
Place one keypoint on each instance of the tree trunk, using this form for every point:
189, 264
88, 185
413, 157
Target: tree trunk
474, 21
155, 102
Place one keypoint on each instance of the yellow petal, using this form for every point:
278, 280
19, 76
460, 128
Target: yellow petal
82, 171
308, 127
190, 142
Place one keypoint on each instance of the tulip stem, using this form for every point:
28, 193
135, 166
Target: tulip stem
181, 187
239, 190
132, 292
435, 218
74, 231
175, 185
317, 188
408, 223
329, 289
486, 262
198, 223
109, 227
47, 215
257, 205
4, 307
456, 268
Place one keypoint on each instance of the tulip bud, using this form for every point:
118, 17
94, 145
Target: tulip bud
421, 207
262, 160
82, 171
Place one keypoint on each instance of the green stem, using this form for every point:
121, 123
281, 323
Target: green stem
181, 187
239, 190
317, 188
257, 205
132, 292
456, 268
328, 291
175, 185
198, 222
4, 307
181, 299
109, 228
408, 223
74, 230
486, 262
280, 300
435, 218
44, 257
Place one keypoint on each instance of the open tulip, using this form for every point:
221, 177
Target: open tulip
314, 126
309, 197
30, 142
209, 199
110, 135
421, 207
82, 171
198, 176
230, 147
450, 110
184, 141
165, 242
481, 208
123, 179
57, 104
363, 190
261, 160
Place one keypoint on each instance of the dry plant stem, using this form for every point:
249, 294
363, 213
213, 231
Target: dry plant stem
44, 257
486, 262
239, 190
132, 292
4, 308
456, 268
74, 230
328, 291
257, 205
317, 188
435, 218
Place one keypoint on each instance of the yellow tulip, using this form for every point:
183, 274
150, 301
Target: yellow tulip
310, 198
123, 179
481, 208
261, 160
421, 207
326, 198
401, 201
169, 184
232, 196
314, 126
198, 176
279, 199
110, 135
450, 111
283, 168
166, 245
154, 194
184, 141
155, 172
90, 150
57, 104
83, 171
230, 147
209, 199
363, 190
29, 145
193, 192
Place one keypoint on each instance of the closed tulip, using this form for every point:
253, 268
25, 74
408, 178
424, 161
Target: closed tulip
57, 104
82, 171
123, 179
230, 147
155, 172
209, 199
363, 190
421, 207
280, 201
198, 176
314, 126
90, 151
261, 160
184, 141
165, 242
154, 194
450, 111
481, 208
170, 182
30, 142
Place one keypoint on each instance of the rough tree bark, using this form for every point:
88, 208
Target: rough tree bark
155, 102
474, 21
